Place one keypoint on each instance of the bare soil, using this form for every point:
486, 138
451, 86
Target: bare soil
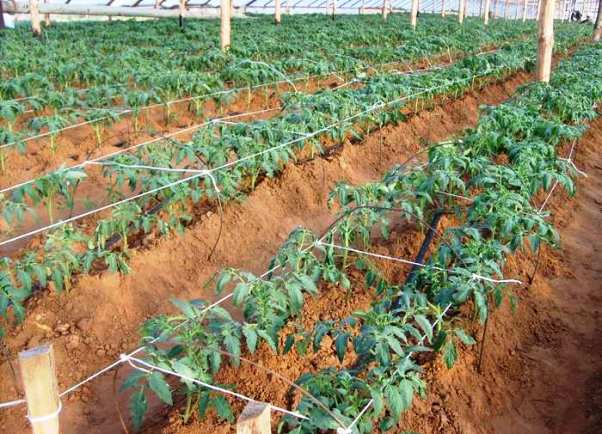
536, 375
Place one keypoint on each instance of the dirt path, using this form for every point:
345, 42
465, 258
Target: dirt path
542, 369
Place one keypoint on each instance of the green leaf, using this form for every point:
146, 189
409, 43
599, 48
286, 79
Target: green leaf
340, 344
158, 385
464, 337
450, 354
138, 408
223, 409
394, 401
425, 325
186, 307
250, 336
204, 400
406, 392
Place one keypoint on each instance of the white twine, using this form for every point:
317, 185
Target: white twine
418, 264
151, 367
53, 415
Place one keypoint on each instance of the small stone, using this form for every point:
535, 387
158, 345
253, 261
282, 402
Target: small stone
100, 352
62, 328
73, 342
84, 324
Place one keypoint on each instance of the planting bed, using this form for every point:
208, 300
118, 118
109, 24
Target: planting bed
366, 335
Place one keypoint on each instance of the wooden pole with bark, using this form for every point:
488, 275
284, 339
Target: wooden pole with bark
277, 17
546, 41
414, 15
34, 11
486, 15
225, 24
598, 27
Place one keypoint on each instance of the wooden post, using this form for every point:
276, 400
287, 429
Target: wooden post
442, 8
225, 24
2, 25
277, 18
414, 16
362, 7
461, 11
41, 391
34, 11
334, 8
385, 11
486, 16
546, 41
254, 419
538, 10
506, 9
598, 26
46, 17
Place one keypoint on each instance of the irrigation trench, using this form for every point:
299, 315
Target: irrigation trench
82, 323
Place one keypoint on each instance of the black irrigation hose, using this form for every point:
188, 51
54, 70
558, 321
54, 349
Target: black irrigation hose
364, 359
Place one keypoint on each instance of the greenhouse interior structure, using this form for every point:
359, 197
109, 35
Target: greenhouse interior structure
300, 216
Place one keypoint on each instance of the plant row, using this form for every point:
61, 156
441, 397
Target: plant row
70, 249
129, 79
405, 318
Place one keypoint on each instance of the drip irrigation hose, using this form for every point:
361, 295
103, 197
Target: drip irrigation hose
364, 359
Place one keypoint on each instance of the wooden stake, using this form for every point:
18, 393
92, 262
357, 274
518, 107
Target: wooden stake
47, 18
525, 10
461, 11
225, 24
506, 9
277, 17
385, 10
486, 16
538, 10
414, 16
598, 27
41, 392
546, 41
255, 419
334, 8
35, 17
2, 25
442, 8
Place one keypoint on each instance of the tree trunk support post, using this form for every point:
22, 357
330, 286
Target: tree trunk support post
277, 15
254, 419
546, 40
34, 10
486, 14
598, 27
414, 17
225, 24
41, 390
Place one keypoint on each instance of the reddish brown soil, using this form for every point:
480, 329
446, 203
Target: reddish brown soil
97, 320
104, 311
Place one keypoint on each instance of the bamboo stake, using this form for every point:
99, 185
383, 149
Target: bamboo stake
41, 392
546, 41
277, 18
461, 11
598, 26
486, 16
34, 10
225, 24
414, 16
255, 419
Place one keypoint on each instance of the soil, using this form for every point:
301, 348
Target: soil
536, 376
